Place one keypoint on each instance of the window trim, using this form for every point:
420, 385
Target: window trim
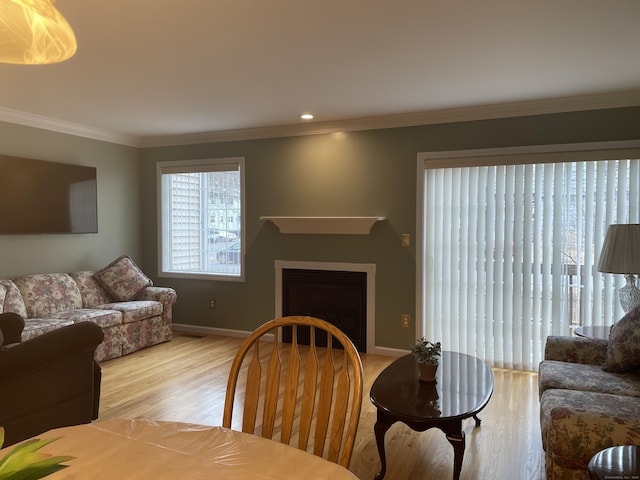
177, 165
533, 154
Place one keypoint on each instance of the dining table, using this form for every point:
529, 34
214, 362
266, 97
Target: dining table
152, 449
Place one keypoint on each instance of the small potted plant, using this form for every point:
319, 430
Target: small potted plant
427, 355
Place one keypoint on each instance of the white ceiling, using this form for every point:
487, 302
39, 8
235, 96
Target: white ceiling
172, 71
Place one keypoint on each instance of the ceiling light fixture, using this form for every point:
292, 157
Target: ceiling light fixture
306, 116
34, 32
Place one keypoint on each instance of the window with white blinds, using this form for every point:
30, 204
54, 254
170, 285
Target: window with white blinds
201, 218
510, 250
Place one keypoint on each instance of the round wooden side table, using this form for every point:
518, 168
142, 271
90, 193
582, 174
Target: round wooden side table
621, 462
601, 332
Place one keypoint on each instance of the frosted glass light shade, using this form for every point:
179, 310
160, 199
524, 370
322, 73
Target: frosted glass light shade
34, 32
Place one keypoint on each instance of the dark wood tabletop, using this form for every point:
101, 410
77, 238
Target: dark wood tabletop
463, 387
615, 462
598, 331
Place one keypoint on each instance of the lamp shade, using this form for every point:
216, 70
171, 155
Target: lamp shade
621, 250
34, 32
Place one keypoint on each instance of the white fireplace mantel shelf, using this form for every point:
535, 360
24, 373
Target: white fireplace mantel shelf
325, 225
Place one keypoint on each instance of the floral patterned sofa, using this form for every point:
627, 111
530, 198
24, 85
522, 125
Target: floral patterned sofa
120, 298
589, 397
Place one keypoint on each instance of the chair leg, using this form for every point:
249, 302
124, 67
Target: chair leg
97, 380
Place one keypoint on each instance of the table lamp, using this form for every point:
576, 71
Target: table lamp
621, 254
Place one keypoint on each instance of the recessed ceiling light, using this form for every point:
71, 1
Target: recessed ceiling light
306, 116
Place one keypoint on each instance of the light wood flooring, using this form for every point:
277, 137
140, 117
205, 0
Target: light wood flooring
185, 380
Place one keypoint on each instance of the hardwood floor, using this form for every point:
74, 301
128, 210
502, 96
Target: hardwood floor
185, 380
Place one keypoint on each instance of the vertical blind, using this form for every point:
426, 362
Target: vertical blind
511, 252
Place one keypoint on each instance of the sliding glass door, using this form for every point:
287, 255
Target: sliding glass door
510, 249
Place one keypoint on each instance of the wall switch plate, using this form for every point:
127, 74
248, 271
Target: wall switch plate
405, 319
406, 240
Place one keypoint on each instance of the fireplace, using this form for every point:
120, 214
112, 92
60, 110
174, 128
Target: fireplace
341, 294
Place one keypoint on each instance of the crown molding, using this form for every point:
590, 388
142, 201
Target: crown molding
54, 125
450, 115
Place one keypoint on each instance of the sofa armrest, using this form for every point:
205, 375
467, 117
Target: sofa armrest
49, 348
11, 326
164, 295
592, 351
576, 425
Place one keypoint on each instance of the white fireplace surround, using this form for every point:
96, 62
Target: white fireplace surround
368, 268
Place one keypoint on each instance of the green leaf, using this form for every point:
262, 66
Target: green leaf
24, 462
35, 472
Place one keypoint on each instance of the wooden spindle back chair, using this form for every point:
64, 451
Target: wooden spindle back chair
309, 392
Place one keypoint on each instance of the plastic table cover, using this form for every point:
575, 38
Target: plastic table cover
147, 449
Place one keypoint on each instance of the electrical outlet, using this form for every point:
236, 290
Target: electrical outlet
212, 303
406, 240
405, 319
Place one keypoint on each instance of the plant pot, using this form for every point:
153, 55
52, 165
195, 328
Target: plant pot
427, 372
428, 400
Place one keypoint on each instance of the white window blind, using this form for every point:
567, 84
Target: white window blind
201, 218
510, 253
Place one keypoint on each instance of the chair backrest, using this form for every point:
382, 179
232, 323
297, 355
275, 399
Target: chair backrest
307, 393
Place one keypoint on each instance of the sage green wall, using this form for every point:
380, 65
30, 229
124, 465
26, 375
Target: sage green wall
119, 211
355, 173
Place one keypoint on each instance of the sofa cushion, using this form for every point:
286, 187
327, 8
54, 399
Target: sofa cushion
13, 299
47, 293
122, 278
623, 350
136, 310
587, 378
34, 327
91, 291
103, 318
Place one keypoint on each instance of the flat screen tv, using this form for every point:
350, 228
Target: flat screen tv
46, 197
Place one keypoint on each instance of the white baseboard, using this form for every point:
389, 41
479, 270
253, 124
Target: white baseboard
227, 332
389, 352
223, 332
